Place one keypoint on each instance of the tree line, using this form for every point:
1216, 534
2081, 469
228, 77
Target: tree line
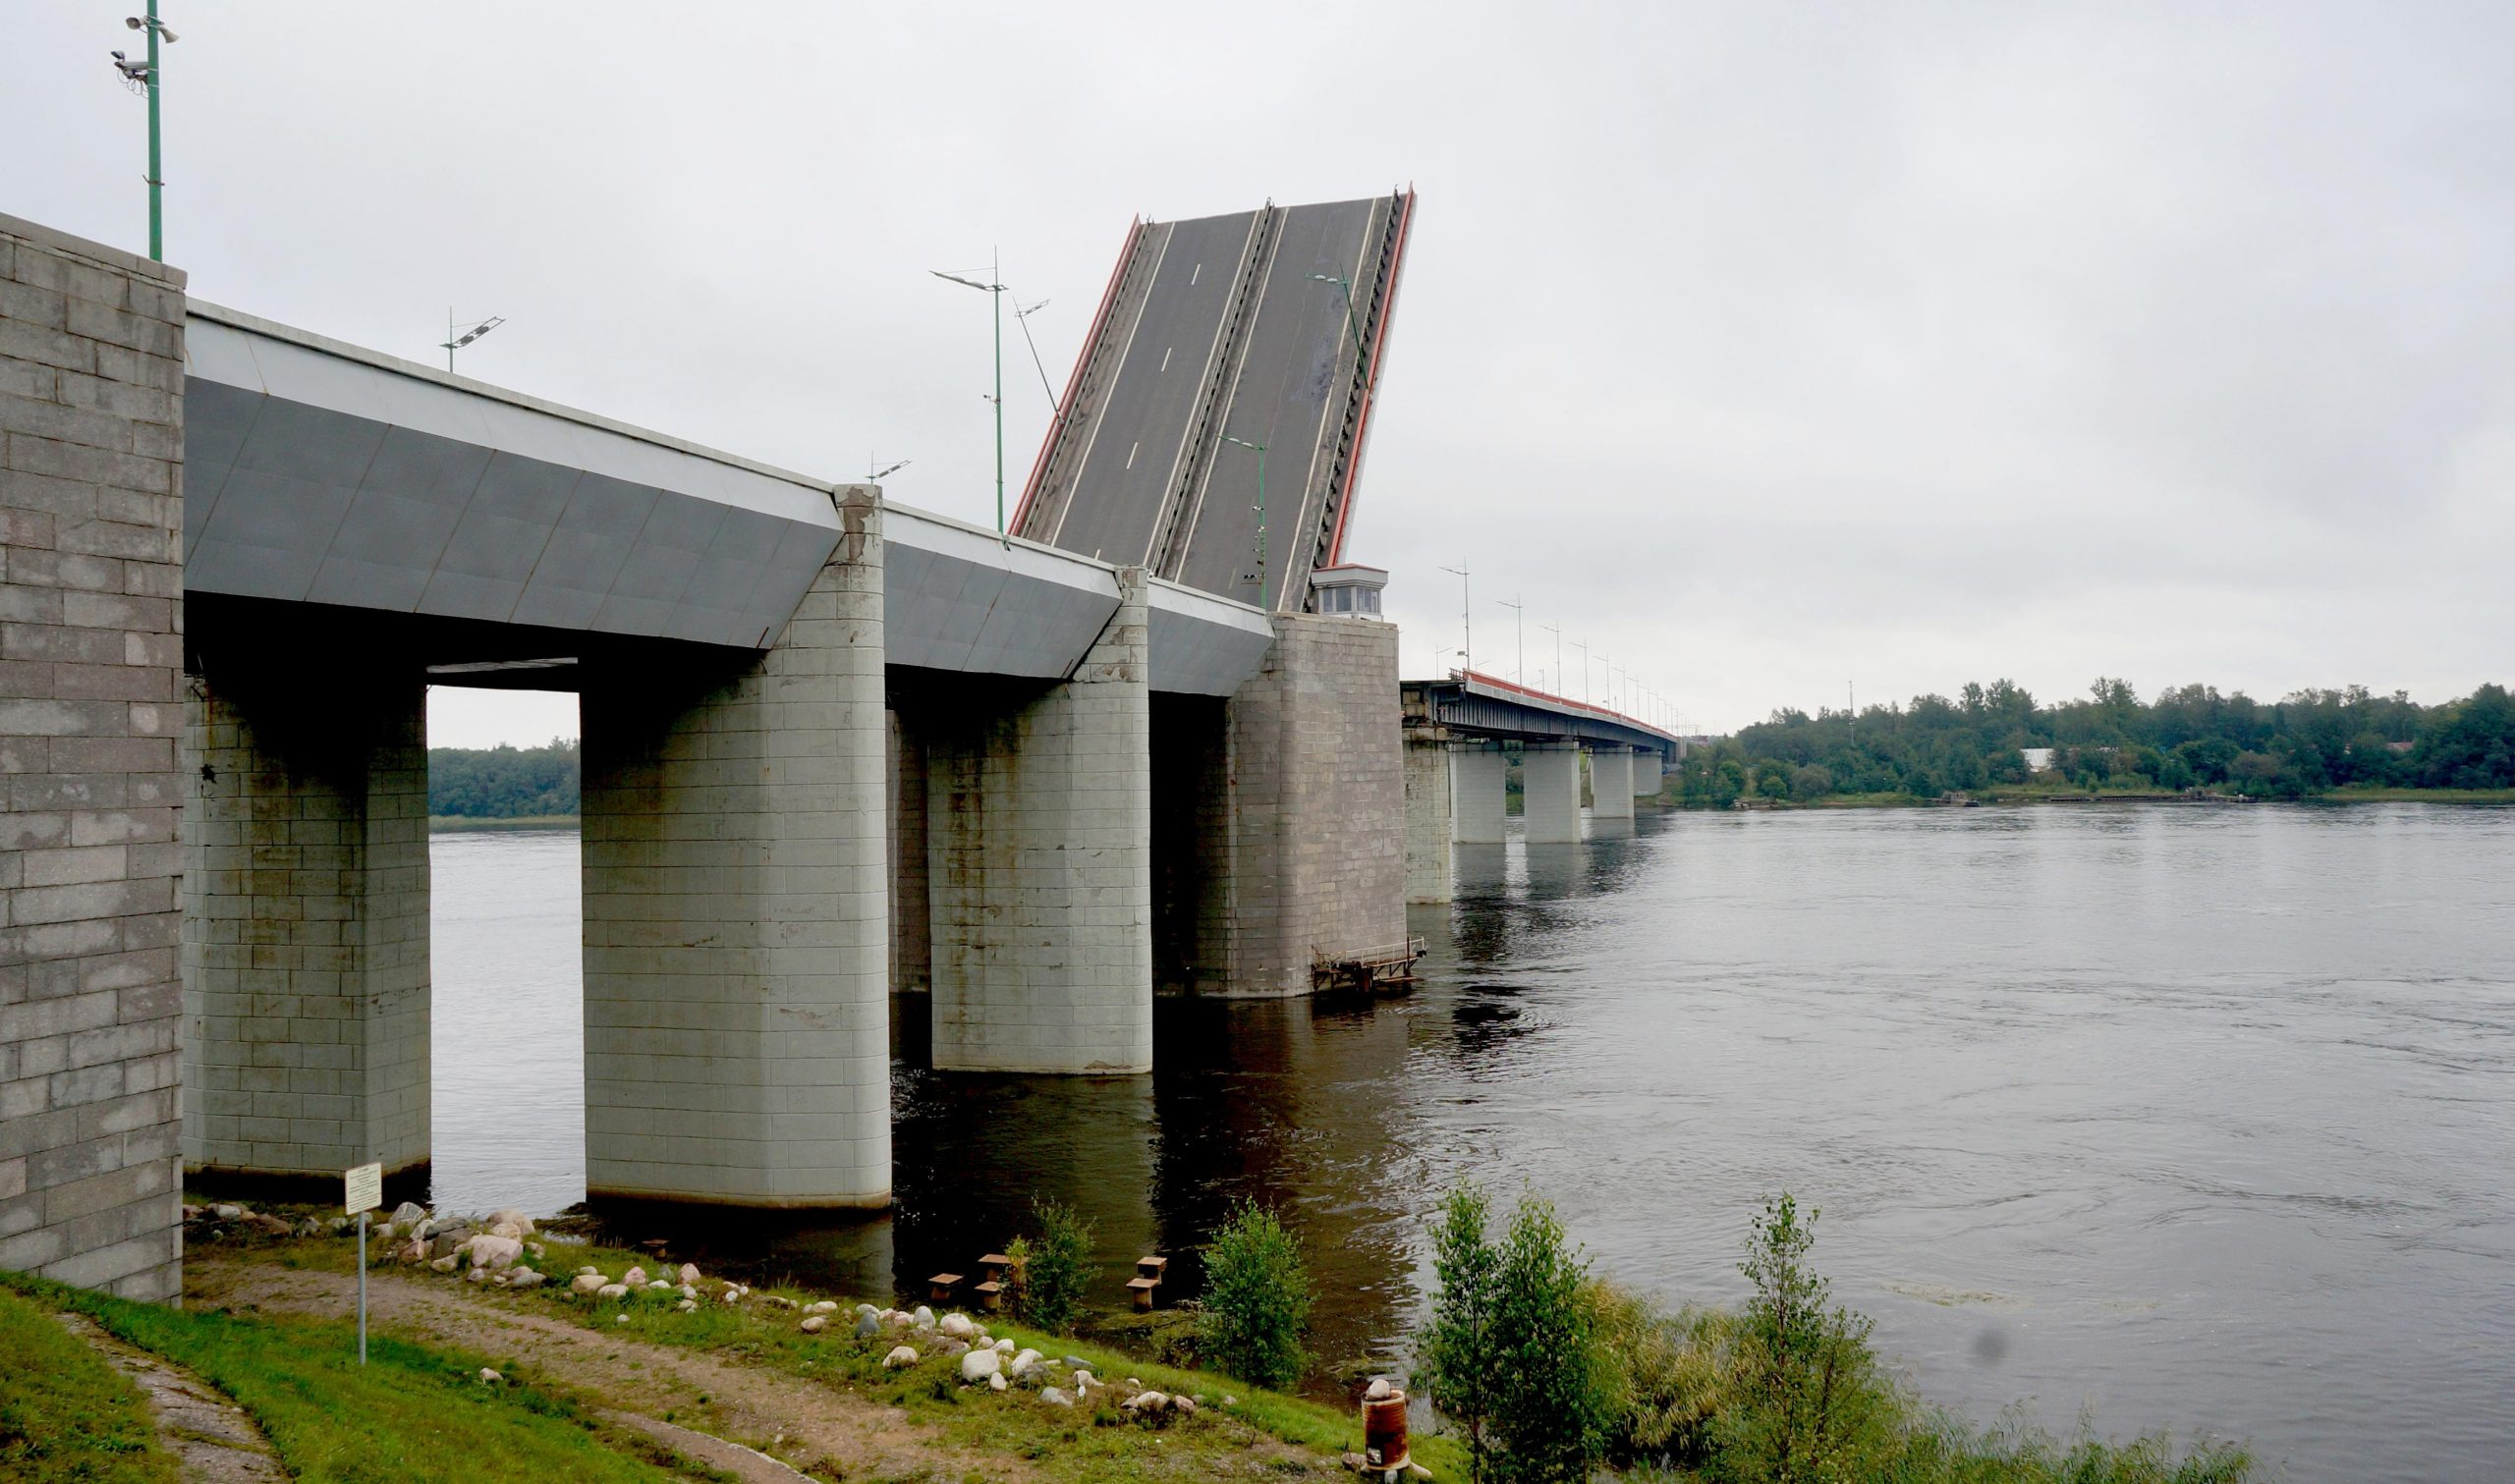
504, 783
2186, 738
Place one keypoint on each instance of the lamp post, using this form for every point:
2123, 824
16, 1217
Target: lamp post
1346, 287
1261, 450
455, 342
995, 292
1521, 621
874, 475
1466, 618
146, 73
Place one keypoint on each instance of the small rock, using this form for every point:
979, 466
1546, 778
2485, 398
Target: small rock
923, 1318
524, 1278
589, 1269
493, 1252
815, 1324
867, 1308
636, 1278
950, 1347
490, 1377
687, 1307
1081, 1378
536, 1249
1378, 1391
825, 1306
900, 1355
978, 1365
867, 1327
612, 1291
586, 1283
958, 1325
686, 1292
444, 1264
226, 1212
619, 1319
417, 1252
1004, 1347
997, 1382
1185, 1406
269, 1225
689, 1273
476, 1275
506, 1228
409, 1211
1025, 1361
659, 1286
1147, 1404
1228, 1399
1055, 1397
509, 1216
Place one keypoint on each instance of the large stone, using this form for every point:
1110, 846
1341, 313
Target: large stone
978, 1365
958, 1325
901, 1356
494, 1252
587, 1283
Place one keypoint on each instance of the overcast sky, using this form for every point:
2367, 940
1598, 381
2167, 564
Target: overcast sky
1761, 348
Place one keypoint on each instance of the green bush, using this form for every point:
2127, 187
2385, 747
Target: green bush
1258, 1299
1814, 1399
1051, 1267
1514, 1352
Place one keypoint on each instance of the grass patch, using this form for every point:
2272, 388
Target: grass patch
67, 1415
1081, 1443
410, 1413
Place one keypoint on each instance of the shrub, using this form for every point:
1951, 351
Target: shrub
1258, 1298
1452, 1364
1810, 1384
1051, 1268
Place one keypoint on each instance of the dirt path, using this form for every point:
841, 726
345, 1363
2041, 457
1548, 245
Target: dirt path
211, 1439
814, 1428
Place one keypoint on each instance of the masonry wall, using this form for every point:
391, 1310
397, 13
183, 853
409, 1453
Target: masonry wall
90, 656
306, 934
1315, 860
737, 910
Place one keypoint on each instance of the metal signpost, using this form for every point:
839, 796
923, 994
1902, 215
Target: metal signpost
363, 1193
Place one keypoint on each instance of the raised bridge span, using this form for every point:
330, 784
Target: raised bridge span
1227, 350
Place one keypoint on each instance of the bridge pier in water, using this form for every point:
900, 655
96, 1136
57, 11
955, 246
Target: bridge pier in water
1430, 859
1645, 772
1479, 778
1550, 792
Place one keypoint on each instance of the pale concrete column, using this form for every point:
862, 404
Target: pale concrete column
306, 923
1479, 792
912, 932
1645, 772
1550, 785
737, 956
1611, 783
1040, 867
1427, 820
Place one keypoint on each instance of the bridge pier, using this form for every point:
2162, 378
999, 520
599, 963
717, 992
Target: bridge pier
1645, 772
737, 912
1479, 792
1611, 783
1550, 783
1428, 812
1039, 863
306, 918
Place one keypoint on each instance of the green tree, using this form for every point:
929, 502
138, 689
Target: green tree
1552, 1390
1055, 1263
1809, 1369
1258, 1298
1454, 1363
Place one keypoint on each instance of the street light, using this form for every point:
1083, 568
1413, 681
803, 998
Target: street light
455, 342
1346, 285
874, 475
1261, 450
148, 71
1521, 621
1466, 620
995, 294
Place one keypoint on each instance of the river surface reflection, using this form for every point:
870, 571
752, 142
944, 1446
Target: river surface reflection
2198, 1117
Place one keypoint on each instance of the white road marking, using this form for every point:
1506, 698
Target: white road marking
1130, 452
1192, 277
1165, 356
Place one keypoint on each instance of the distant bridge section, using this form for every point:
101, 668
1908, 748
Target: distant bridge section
1217, 337
1457, 772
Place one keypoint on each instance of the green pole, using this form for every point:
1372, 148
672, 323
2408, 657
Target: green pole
997, 284
156, 175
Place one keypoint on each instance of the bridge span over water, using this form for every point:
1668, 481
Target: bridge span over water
833, 748
1458, 731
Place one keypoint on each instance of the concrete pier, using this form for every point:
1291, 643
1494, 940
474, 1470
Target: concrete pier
91, 469
305, 906
1480, 788
1428, 866
1039, 863
1611, 783
1645, 772
1551, 781
737, 914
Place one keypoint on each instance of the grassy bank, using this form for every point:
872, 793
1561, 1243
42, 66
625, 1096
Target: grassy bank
410, 1413
64, 1413
1258, 1431
458, 824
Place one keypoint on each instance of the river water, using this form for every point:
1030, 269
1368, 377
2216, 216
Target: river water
2193, 1118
